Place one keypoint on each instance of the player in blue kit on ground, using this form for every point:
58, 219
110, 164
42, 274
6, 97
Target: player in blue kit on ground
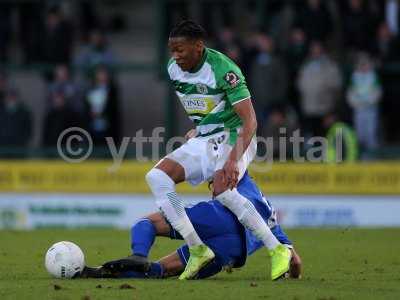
217, 227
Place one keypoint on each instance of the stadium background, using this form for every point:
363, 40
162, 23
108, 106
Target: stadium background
57, 56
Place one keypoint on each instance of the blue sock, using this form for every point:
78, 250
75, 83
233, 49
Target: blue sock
133, 274
143, 234
156, 271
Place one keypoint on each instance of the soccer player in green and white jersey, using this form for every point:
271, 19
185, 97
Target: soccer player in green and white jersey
213, 92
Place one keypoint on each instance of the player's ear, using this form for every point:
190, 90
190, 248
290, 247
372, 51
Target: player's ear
199, 44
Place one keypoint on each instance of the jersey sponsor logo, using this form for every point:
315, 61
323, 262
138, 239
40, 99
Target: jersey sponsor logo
194, 104
201, 88
232, 79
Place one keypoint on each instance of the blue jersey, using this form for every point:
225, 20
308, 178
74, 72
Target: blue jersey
220, 229
247, 188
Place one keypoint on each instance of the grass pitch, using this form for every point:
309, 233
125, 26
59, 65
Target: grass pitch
338, 264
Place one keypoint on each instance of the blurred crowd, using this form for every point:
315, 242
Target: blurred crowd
310, 65
315, 61
92, 104
80, 86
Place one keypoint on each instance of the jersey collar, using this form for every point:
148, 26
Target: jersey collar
201, 63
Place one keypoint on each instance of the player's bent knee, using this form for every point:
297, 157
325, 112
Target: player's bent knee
173, 169
156, 177
151, 177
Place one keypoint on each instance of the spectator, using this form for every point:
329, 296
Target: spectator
30, 33
387, 46
98, 53
315, 20
15, 124
392, 11
57, 39
342, 145
282, 122
269, 80
274, 19
222, 14
103, 108
225, 37
58, 118
319, 82
228, 43
87, 17
363, 95
357, 29
3, 86
234, 53
295, 56
376, 11
71, 91
297, 49
5, 31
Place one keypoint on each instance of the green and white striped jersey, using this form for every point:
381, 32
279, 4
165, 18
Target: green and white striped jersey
209, 92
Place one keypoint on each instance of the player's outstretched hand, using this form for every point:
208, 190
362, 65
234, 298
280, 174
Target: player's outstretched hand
295, 265
231, 172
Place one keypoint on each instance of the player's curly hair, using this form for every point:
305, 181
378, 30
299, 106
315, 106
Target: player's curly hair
188, 29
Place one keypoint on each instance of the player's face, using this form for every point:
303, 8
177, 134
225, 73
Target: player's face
186, 52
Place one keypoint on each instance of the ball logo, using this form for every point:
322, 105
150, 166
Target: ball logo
62, 272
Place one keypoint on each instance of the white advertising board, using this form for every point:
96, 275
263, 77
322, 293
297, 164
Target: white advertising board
29, 211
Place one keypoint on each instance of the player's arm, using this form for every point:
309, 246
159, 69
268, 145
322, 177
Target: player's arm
190, 134
245, 111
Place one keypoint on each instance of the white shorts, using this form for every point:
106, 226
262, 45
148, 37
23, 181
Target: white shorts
201, 157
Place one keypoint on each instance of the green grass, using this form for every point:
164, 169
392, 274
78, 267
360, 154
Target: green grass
338, 264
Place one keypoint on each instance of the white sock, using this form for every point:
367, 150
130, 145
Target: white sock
163, 188
248, 216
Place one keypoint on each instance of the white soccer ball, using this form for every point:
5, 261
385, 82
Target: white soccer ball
64, 260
